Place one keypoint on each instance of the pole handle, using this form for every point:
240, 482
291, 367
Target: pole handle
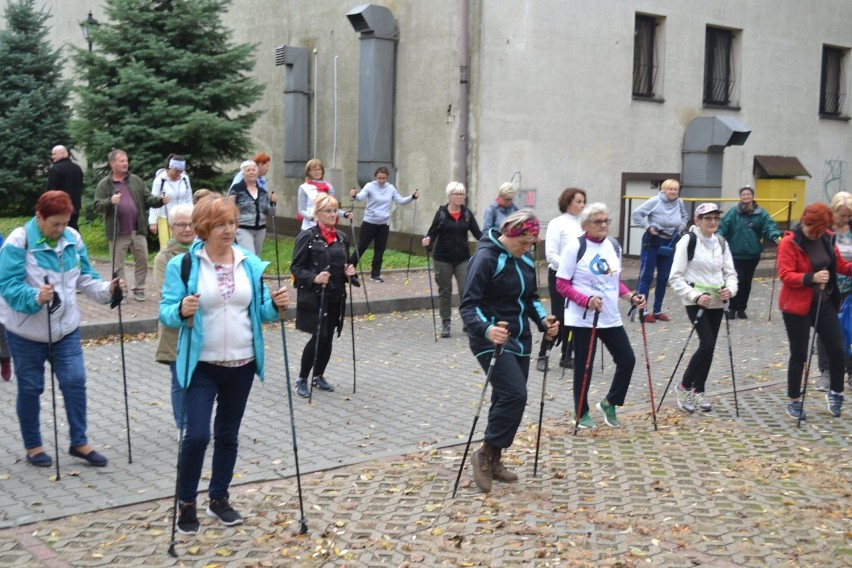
190, 321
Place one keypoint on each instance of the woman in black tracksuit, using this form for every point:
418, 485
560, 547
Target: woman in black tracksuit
450, 226
500, 286
319, 262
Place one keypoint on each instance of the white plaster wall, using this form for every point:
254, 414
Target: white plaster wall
550, 90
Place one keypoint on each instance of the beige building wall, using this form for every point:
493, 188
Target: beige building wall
550, 84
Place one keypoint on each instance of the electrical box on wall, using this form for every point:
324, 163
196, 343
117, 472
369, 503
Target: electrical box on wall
525, 199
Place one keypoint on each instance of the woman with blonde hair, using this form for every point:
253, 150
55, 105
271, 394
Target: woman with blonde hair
314, 185
502, 207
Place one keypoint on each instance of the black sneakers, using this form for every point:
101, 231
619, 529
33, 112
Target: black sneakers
322, 384
188, 519
221, 509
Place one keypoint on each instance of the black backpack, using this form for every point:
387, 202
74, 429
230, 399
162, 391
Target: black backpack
690, 247
615, 244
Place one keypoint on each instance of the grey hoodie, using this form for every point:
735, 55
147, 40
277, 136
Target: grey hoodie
667, 217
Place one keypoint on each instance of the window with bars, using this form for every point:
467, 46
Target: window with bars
644, 56
832, 88
718, 66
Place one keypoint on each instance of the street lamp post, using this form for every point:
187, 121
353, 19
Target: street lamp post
86, 26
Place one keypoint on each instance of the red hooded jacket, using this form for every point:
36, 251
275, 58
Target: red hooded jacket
796, 273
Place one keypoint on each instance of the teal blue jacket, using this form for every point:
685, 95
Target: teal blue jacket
744, 232
261, 308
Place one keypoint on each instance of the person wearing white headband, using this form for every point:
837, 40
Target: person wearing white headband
172, 181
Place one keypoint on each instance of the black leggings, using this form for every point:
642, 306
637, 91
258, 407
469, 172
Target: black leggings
798, 334
707, 328
331, 318
370, 232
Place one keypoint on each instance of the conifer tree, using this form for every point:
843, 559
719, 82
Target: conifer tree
33, 105
164, 77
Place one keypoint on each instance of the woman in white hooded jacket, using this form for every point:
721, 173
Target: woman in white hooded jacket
704, 283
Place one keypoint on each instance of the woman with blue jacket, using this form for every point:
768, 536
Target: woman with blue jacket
217, 288
42, 267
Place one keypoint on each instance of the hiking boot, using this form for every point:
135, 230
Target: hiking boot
302, 388
322, 384
609, 413
662, 317
586, 422
700, 402
6, 368
794, 410
445, 330
221, 509
541, 363
742, 315
649, 318
481, 464
567, 362
823, 382
834, 401
684, 399
499, 471
188, 519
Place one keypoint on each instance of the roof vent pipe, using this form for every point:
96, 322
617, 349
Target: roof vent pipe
377, 67
296, 108
704, 142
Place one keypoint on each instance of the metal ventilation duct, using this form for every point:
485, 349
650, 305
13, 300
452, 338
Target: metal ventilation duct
704, 142
296, 108
377, 69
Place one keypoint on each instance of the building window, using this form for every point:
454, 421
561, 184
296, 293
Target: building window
644, 56
718, 66
832, 88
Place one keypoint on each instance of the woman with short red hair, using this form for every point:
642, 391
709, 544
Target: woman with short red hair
808, 264
42, 267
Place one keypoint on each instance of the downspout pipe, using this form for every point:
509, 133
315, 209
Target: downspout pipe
464, 92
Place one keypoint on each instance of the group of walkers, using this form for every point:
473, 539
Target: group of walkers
214, 300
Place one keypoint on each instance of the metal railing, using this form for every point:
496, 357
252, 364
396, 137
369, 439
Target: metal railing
628, 226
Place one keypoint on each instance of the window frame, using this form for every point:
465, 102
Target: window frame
719, 66
645, 56
832, 82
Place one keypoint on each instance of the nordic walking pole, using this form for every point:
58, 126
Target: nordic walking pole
352, 330
588, 372
648, 366
774, 278
411, 240
52, 382
431, 294
680, 358
548, 345
189, 324
498, 350
117, 298
320, 318
358, 259
303, 523
731, 355
810, 355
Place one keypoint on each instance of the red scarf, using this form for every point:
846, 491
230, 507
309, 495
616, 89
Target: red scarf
328, 233
320, 185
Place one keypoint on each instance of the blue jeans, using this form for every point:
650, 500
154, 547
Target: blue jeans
29, 357
229, 387
652, 261
177, 394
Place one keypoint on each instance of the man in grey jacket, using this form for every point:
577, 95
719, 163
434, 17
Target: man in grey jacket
122, 197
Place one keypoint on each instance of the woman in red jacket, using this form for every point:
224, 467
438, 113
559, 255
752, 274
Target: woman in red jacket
808, 264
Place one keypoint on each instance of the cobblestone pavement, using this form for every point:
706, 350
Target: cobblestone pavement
378, 466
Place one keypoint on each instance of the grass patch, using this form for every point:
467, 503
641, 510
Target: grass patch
96, 241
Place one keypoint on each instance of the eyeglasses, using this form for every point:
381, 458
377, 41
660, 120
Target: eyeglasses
601, 222
457, 194
332, 211
182, 226
713, 219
